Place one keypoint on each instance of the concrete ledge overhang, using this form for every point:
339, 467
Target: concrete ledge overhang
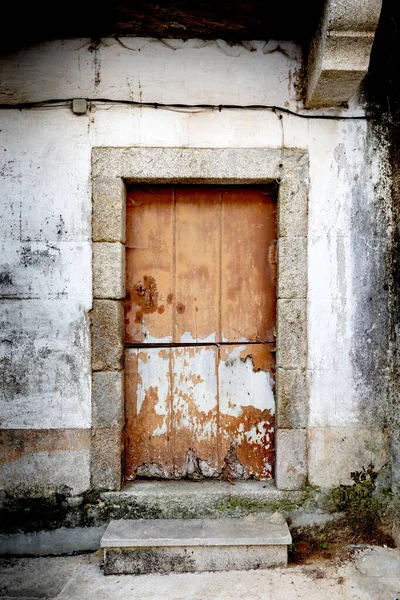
340, 51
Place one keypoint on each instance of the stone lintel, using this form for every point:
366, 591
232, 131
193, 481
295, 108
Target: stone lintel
193, 165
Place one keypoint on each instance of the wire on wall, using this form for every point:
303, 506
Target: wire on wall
183, 107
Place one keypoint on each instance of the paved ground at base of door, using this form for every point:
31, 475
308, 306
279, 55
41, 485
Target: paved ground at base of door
371, 573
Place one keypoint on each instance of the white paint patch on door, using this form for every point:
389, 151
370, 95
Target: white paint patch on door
240, 385
153, 371
187, 338
195, 389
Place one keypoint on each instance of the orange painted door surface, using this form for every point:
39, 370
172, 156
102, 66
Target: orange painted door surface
200, 316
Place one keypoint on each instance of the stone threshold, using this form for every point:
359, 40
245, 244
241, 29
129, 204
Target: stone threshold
264, 489
190, 499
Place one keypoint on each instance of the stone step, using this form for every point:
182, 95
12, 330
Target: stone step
194, 500
188, 545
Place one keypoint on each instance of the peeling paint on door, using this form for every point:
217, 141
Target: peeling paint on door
200, 279
148, 414
195, 406
247, 407
200, 411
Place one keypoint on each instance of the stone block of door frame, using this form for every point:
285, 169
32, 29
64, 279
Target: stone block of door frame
107, 326
111, 169
108, 277
339, 53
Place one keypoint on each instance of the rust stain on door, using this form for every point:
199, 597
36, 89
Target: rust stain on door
200, 270
149, 265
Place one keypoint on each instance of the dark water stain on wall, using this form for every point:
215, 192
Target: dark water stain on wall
370, 231
38, 256
383, 100
6, 278
32, 363
13, 381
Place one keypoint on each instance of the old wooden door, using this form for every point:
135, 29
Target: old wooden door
200, 318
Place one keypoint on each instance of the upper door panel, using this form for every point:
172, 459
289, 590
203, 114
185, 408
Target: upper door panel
200, 264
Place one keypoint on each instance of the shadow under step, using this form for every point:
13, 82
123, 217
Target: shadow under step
188, 545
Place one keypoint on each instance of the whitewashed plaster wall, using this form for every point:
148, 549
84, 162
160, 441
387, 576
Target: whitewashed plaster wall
45, 280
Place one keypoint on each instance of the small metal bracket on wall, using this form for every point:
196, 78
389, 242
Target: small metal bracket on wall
79, 106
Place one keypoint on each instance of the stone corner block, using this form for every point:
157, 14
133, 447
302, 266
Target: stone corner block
107, 319
292, 261
291, 464
336, 452
108, 270
292, 334
106, 458
109, 210
291, 398
107, 398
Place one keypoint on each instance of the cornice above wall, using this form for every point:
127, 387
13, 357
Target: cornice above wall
232, 21
340, 51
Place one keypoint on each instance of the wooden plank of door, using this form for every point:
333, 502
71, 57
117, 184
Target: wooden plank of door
197, 307
195, 411
246, 410
248, 284
149, 265
148, 436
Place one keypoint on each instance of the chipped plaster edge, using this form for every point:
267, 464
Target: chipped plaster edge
111, 169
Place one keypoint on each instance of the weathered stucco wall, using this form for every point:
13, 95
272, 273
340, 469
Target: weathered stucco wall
45, 233
384, 100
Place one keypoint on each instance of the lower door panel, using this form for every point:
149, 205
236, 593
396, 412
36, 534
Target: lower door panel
200, 411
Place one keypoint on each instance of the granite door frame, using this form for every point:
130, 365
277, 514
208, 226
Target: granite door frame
112, 169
